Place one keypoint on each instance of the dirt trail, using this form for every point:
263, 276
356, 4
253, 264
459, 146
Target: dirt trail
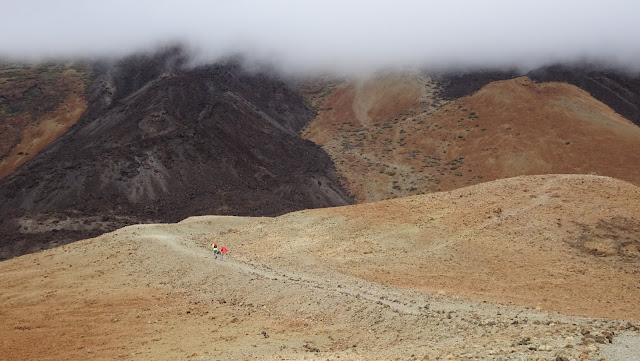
348, 286
406, 303
306, 286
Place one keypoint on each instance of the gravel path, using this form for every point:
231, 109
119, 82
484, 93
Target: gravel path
458, 281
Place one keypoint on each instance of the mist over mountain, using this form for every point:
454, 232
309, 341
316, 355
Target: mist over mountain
332, 36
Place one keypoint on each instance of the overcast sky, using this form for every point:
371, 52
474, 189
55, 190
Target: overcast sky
331, 35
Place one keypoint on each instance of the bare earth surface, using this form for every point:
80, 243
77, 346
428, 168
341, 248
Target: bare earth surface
393, 136
37, 105
537, 267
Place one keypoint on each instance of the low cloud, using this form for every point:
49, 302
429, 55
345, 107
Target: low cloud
340, 36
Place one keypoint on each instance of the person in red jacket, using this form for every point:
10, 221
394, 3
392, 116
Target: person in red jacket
223, 250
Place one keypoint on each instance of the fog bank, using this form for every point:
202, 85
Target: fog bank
342, 36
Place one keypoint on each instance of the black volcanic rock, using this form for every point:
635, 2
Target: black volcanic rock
160, 142
617, 89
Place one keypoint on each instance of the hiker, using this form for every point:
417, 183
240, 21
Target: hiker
215, 249
223, 250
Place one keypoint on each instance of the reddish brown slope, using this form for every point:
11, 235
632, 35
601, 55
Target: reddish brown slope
392, 136
362, 125
524, 127
37, 105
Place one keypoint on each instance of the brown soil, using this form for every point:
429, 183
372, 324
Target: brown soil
411, 278
39, 104
537, 128
527, 241
362, 126
618, 89
420, 144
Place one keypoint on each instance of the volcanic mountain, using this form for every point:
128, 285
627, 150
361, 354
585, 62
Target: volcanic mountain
465, 264
402, 134
148, 139
161, 142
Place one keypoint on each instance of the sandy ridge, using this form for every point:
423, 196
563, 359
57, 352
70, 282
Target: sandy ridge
155, 291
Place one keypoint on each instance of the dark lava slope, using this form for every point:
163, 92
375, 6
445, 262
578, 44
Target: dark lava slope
160, 142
